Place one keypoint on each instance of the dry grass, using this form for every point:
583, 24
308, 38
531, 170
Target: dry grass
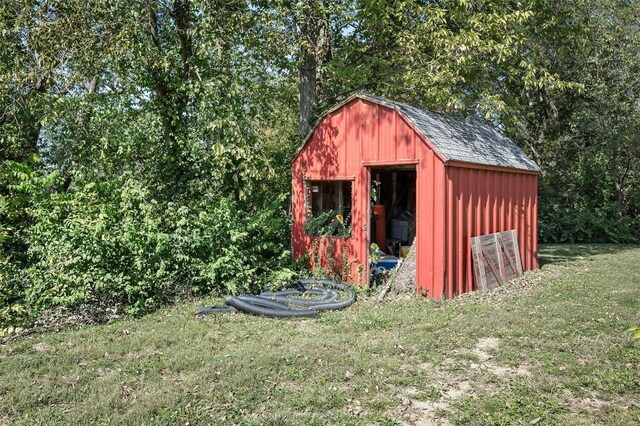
551, 349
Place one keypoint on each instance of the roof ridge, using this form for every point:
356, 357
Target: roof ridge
467, 119
453, 139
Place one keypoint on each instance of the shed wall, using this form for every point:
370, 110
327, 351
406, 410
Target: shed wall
333, 152
430, 224
483, 201
344, 145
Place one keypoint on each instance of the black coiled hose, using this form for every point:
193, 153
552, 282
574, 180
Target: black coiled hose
324, 295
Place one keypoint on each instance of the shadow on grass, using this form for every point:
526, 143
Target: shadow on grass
561, 253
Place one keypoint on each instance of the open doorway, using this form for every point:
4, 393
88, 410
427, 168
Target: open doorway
393, 213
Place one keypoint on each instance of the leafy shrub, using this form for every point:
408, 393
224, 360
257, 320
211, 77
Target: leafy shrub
578, 204
114, 245
586, 226
329, 223
20, 187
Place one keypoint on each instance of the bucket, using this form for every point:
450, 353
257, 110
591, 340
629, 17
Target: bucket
388, 262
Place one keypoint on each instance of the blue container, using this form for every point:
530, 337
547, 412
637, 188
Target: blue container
388, 262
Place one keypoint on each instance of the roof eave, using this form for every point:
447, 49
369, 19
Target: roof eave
471, 165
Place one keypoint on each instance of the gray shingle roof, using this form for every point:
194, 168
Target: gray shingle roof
461, 140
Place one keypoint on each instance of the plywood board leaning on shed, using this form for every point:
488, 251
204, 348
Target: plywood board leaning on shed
496, 259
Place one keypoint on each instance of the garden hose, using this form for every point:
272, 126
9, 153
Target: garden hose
319, 295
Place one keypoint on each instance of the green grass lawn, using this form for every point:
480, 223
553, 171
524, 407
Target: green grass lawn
552, 353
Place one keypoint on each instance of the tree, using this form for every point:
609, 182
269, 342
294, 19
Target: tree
585, 136
150, 119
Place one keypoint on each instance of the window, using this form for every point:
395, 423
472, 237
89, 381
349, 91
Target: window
329, 206
330, 195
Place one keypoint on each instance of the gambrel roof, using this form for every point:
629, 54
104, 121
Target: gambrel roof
462, 140
457, 139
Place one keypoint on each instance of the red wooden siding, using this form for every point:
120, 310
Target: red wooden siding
454, 201
481, 202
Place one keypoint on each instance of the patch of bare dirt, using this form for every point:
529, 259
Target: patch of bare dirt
453, 385
289, 385
596, 405
41, 347
463, 388
484, 345
418, 412
481, 351
355, 407
422, 413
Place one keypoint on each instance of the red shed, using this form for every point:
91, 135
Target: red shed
399, 172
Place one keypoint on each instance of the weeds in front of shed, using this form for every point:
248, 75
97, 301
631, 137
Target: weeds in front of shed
326, 230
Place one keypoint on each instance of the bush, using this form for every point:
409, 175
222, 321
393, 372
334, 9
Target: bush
563, 225
114, 245
578, 204
20, 187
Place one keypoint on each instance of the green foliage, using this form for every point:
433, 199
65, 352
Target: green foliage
23, 188
160, 175
145, 158
330, 223
375, 254
115, 245
452, 55
559, 224
586, 138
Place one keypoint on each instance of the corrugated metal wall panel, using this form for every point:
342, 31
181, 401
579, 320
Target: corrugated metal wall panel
387, 142
439, 229
469, 191
482, 202
430, 229
405, 140
298, 240
534, 224
351, 144
453, 218
450, 238
337, 141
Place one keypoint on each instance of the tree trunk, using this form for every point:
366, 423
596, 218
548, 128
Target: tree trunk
308, 89
619, 178
172, 102
315, 51
40, 88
